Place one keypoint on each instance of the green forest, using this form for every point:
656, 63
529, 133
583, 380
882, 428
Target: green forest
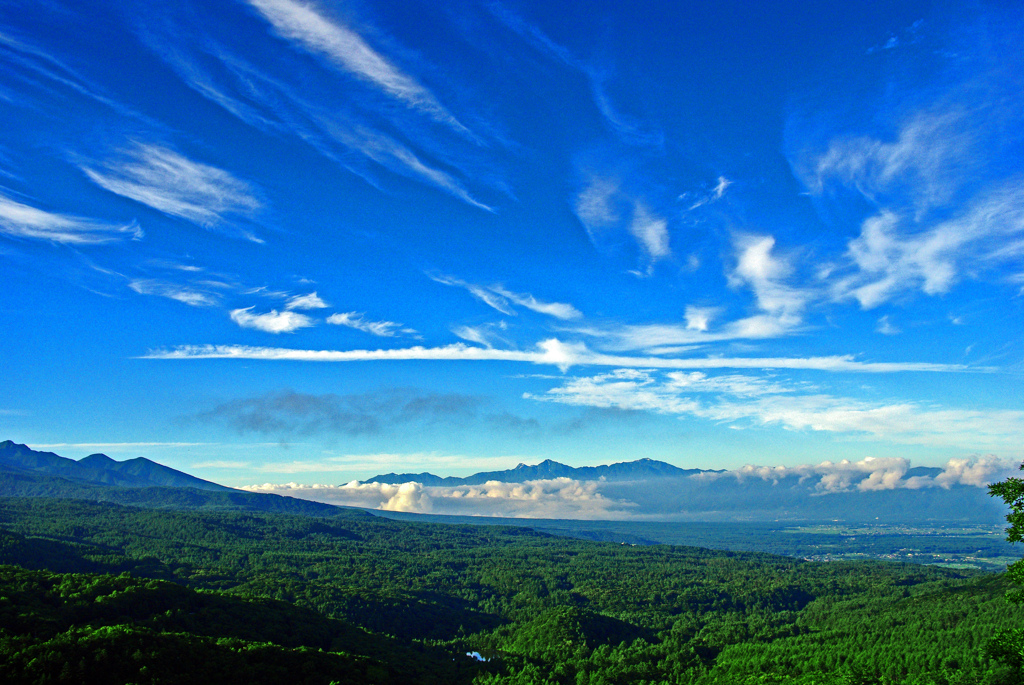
108, 593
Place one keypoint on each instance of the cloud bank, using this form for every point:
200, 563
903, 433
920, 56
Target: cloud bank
828, 488
553, 498
289, 414
873, 474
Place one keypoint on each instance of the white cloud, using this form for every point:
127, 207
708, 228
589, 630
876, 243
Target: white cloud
553, 352
553, 498
170, 183
666, 350
384, 329
650, 337
886, 327
865, 475
764, 271
22, 221
301, 22
310, 301
699, 318
719, 190
889, 257
978, 472
742, 400
174, 291
271, 322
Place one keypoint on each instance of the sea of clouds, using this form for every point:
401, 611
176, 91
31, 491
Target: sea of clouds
824, 489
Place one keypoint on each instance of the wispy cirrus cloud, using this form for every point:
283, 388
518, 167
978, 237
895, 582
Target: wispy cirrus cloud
743, 401
24, 221
42, 70
706, 195
161, 178
115, 446
551, 352
358, 321
669, 336
187, 294
397, 157
501, 298
650, 231
627, 129
941, 184
608, 211
286, 321
278, 99
314, 31
559, 310
922, 168
484, 334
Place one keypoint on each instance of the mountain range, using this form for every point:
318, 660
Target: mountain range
644, 488
98, 469
139, 482
641, 469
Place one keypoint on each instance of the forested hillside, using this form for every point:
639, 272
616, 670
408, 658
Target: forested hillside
391, 601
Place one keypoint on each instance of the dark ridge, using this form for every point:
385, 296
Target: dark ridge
99, 469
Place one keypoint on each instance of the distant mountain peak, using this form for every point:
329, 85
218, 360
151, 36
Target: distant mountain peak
96, 460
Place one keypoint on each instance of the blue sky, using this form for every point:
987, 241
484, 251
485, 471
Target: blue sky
268, 240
